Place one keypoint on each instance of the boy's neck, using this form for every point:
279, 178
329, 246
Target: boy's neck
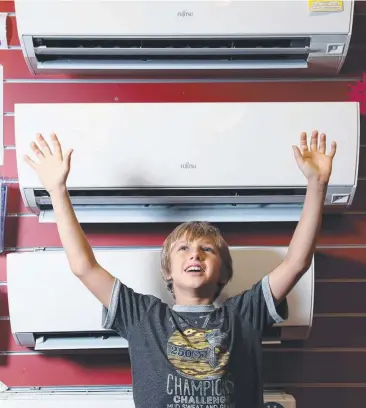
181, 300
194, 308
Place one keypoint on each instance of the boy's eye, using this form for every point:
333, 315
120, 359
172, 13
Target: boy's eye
207, 249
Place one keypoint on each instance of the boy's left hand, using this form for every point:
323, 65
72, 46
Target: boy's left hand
315, 164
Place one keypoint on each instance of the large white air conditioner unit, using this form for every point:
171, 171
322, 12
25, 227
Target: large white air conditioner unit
51, 310
86, 398
173, 162
202, 38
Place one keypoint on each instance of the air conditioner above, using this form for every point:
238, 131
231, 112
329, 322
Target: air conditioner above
195, 38
62, 315
175, 162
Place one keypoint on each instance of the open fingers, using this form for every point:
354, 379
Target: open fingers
314, 141
333, 149
36, 150
56, 145
320, 147
30, 162
44, 145
303, 142
323, 143
298, 156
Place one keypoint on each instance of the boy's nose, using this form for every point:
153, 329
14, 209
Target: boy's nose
195, 254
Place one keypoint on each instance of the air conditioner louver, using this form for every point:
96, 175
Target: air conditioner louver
179, 49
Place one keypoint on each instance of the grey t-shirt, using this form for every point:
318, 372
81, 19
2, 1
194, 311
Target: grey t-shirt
195, 356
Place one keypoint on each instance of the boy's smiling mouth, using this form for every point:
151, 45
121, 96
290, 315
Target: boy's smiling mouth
194, 268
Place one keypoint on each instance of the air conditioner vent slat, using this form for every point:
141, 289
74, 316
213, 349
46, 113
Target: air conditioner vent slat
79, 341
172, 43
182, 192
165, 58
50, 49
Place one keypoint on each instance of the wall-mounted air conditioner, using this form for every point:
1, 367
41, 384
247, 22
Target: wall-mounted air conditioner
206, 39
62, 315
89, 398
175, 162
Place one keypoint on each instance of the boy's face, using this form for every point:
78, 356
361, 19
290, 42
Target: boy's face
195, 270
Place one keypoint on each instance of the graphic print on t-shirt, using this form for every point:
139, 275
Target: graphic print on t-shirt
200, 357
199, 354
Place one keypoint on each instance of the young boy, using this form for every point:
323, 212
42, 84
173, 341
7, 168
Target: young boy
193, 355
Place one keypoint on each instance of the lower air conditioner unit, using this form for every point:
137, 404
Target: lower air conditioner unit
87, 397
51, 324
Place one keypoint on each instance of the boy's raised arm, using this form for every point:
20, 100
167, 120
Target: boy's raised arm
316, 165
52, 169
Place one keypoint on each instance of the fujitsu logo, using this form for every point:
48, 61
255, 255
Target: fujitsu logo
187, 165
185, 13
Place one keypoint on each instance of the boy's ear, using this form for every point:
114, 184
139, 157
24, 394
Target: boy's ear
166, 275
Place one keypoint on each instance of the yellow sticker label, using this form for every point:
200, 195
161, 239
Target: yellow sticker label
325, 5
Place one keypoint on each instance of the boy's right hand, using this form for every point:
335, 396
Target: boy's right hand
53, 167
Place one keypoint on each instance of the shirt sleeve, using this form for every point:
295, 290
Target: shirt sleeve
257, 307
126, 309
